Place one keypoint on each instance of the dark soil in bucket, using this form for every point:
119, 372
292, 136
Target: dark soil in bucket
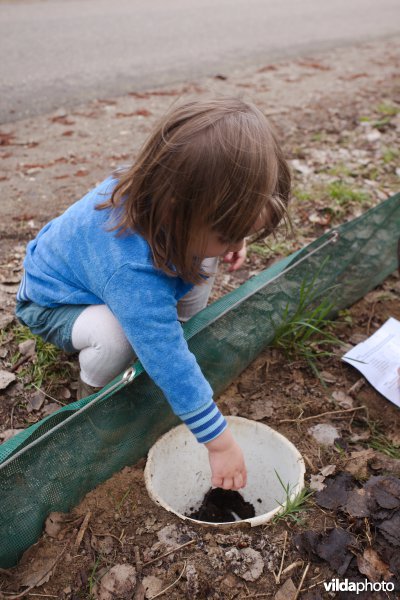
223, 506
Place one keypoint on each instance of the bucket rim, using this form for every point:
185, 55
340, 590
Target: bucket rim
252, 521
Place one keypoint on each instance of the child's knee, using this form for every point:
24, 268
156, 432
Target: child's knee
104, 348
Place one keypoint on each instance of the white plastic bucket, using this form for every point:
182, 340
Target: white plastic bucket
177, 473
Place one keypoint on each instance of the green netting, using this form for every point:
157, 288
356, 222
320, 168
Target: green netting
52, 464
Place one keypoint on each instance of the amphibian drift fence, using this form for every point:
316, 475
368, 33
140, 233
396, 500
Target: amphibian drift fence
51, 465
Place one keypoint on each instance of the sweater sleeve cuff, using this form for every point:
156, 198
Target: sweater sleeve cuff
206, 422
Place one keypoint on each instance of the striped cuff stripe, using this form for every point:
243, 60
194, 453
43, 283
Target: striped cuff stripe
210, 423
214, 433
207, 418
201, 415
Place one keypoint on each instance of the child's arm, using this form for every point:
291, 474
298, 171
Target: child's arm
143, 300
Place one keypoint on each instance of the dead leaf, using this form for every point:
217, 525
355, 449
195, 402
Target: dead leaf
328, 470
313, 64
50, 408
306, 543
343, 399
317, 482
385, 489
322, 217
267, 68
6, 378
357, 338
6, 138
301, 167
328, 377
260, 409
63, 120
324, 434
27, 347
357, 503
336, 492
382, 462
372, 566
118, 583
36, 401
287, 591
245, 563
38, 569
65, 393
357, 463
102, 544
172, 537
391, 529
142, 112
55, 523
152, 585
334, 549
353, 76
6, 320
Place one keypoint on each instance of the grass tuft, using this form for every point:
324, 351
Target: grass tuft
304, 334
291, 507
381, 443
45, 363
344, 194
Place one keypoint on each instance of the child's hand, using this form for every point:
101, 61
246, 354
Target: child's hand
236, 258
228, 470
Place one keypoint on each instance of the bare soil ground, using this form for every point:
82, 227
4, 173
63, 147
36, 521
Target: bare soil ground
338, 114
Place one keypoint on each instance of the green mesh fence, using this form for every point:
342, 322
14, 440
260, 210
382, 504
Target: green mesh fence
54, 463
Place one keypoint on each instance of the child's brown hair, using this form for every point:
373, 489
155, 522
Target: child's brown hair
209, 165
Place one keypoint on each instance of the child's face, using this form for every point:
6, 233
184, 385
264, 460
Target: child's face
217, 245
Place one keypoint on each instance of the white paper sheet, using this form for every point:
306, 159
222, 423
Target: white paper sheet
378, 359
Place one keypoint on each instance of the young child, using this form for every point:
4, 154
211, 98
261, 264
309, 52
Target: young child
113, 276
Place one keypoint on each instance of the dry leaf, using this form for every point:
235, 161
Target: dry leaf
260, 409
334, 548
336, 492
152, 585
317, 483
55, 522
39, 569
343, 399
103, 544
27, 347
328, 377
372, 566
328, 470
324, 434
119, 582
6, 320
357, 503
245, 563
357, 463
6, 378
287, 591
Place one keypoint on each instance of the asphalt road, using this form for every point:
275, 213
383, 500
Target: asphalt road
62, 52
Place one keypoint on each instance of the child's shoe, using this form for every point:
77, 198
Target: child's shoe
84, 390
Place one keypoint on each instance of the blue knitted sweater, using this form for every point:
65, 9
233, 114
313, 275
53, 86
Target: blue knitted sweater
75, 259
